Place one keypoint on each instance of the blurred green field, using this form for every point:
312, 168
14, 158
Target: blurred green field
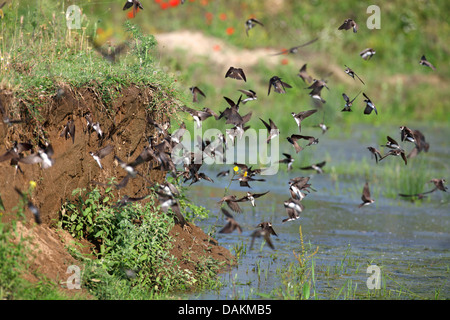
35, 36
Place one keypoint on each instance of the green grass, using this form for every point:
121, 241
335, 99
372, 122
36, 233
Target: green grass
132, 239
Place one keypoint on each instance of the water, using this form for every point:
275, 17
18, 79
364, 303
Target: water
410, 242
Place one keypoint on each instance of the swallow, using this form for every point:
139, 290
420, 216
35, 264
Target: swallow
375, 153
198, 115
268, 227
168, 189
244, 179
126, 199
323, 127
352, 74
439, 184
299, 117
236, 73
69, 131
349, 24
131, 172
251, 23
310, 139
366, 196
348, 102
272, 128
231, 201
391, 143
293, 140
251, 95
369, 105
295, 49
278, 85
316, 94
247, 170
43, 156
287, 160
396, 152
426, 63
317, 85
419, 196
297, 186
161, 128
167, 203
406, 134
232, 115
293, 209
223, 173
195, 92
367, 54
262, 232
112, 53
15, 152
421, 144
304, 74
101, 153
91, 125
317, 167
136, 4
31, 206
231, 225
251, 197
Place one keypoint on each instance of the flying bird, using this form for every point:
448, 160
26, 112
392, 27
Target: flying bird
251, 197
439, 184
287, 160
367, 54
317, 167
265, 232
352, 74
43, 156
136, 4
251, 23
278, 85
366, 196
101, 153
299, 117
369, 105
69, 131
349, 24
406, 134
231, 225
426, 63
231, 201
348, 102
304, 74
396, 152
295, 49
293, 209
375, 153
236, 73
195, 92
34, 210
251, 95
272, 128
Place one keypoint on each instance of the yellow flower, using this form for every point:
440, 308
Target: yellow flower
245, 173
236, 169
33, 184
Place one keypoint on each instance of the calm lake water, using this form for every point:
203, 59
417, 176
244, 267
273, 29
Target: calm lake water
410, 242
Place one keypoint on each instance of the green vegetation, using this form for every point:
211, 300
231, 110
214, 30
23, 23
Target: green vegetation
133, 247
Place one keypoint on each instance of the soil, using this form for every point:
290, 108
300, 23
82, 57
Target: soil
125, 127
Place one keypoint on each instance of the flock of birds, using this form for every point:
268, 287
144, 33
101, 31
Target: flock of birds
162, 144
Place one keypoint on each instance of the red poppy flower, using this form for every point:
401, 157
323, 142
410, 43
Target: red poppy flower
230, 31
223, 16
